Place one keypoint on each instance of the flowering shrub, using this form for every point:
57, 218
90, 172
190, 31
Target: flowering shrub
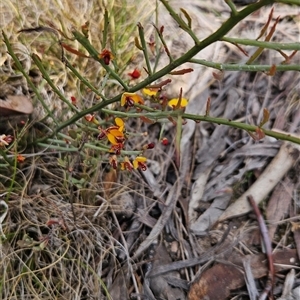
145, 98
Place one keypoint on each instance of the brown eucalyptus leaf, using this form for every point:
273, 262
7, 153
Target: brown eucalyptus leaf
17, 104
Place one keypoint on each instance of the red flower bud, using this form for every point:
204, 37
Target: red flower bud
151, 145
165, 141
135, 74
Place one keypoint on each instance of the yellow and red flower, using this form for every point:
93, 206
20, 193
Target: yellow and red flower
115, 136
126, 164
113, 133
139, 163
129, 99
116, 148
113, 161
120, 123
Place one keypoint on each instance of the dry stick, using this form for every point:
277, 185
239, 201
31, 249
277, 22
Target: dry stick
268, 247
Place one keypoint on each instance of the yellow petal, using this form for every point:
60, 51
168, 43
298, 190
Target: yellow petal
120, 123
173, 102
123, 99
137, 99
135, 164
112, 139
113, 136
150, 92
141, 159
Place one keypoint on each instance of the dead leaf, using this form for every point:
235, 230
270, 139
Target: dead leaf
279, 204
17, 104
217, 282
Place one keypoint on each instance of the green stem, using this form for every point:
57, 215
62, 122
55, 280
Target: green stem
232, 7
4, 156
145, 49
289, 2
242, 67
80, 115
178, 140
159, 34
180, 22
243, 126
164, 115
262, 44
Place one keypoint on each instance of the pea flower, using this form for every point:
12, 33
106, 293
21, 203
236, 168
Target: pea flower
139, 162
174, 102
120, 123
116, 149
115, 136
113, 133
126, 164
113, 161
129, 99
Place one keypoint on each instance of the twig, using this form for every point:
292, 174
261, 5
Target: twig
268, 248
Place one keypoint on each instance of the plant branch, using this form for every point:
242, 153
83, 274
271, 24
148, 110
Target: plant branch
288, 2
262, 44
180, 21
220, 121
242, 67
